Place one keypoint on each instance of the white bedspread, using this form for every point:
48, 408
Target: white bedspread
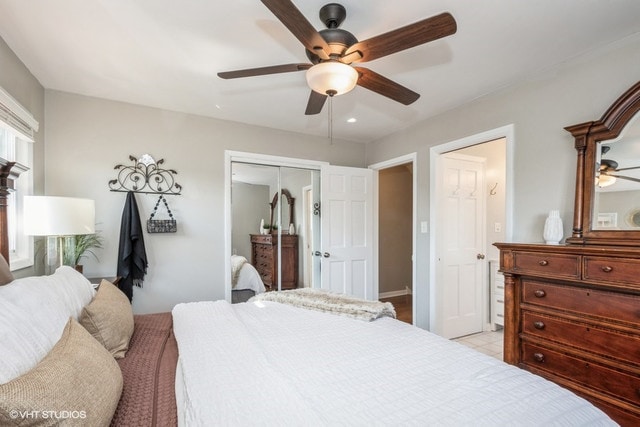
266, 363
247, 277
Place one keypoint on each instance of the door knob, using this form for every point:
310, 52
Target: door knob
317, 253
480, 256
326, 254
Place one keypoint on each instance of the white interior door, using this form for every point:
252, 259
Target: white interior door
347, 231
460, 250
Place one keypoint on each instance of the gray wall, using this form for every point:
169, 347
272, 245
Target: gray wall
249, 205
395, 210
87, 137
544, 163
623, 203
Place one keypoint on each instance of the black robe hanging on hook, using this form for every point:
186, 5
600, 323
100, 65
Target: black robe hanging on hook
132, 257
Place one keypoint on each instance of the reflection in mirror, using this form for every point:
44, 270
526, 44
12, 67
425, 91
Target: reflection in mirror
263, 205
617, 181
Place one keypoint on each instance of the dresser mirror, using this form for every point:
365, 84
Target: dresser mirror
617, 181
607, 203
287, 211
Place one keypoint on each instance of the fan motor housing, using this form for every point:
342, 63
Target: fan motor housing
338, 40
332, 16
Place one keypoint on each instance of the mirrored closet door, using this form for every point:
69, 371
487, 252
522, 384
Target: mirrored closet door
274, 229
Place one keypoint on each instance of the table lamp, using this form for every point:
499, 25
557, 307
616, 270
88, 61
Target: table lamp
59, 219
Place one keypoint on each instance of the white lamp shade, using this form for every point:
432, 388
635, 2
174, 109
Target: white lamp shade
58, 216
332, 76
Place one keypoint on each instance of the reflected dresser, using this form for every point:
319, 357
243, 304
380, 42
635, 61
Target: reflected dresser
264, 257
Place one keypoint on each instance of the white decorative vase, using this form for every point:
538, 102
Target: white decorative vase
262, 226
292, 229
553, 228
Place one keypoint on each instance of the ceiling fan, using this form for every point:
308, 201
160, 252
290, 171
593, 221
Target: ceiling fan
607, 171
333, 50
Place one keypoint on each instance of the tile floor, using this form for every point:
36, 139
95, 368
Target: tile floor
485, 342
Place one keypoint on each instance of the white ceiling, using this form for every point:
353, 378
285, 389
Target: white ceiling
166, 53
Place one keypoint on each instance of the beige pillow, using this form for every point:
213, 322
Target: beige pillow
77, 384
5, 272
109, 318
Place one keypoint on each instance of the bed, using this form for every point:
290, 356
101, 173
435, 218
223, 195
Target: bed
341, 362
299, 366
245, 280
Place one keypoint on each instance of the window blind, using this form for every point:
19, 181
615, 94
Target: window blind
16, 117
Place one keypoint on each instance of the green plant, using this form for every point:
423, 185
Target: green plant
79, 246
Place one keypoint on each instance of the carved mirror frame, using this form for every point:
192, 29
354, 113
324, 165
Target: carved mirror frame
274, 204
587, 136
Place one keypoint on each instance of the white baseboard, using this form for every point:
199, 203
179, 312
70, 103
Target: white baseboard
392, 294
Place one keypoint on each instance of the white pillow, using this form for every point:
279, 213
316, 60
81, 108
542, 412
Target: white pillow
33, 313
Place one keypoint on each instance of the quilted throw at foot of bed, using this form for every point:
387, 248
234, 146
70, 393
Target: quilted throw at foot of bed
320, 300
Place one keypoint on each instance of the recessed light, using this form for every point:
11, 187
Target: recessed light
218, 107
352, 120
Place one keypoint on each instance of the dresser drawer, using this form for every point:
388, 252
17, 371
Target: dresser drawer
263, 251
584, 301
620, 384
263, 238
557, 265
613, 270
265, 275
609, 343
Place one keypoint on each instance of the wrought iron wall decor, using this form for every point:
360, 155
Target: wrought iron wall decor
145, 176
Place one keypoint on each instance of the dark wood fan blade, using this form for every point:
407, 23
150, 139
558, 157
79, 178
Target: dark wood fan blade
385, 87
628, 178
403, 38
275, 69
315, 103
299, 26
628, 169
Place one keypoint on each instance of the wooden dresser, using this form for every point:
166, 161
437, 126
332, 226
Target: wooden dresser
572, 315
264, 257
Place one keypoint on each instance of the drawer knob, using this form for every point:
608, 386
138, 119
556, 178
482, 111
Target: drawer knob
538, 357
543, 262
539, 324
607, 268
539, 293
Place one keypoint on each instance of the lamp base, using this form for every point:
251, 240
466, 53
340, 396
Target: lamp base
60, 251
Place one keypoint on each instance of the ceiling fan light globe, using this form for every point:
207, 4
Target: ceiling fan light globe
332, 77
605, 180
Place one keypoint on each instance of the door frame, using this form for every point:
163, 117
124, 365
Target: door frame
259, 159
506, 132
397, 161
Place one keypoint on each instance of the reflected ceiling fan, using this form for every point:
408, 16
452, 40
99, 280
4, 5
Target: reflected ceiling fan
333, 50
607, 172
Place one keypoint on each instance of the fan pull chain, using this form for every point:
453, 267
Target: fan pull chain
330, 116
